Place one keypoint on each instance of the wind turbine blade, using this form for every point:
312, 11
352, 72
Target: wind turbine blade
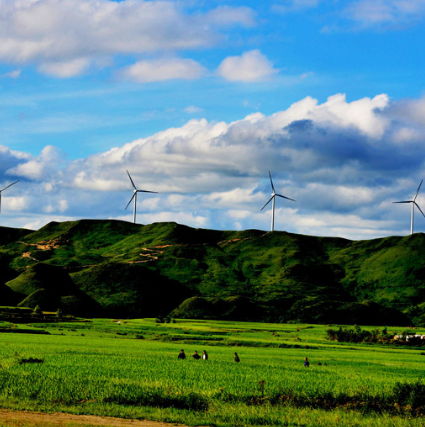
416, 195
419, 208
407, 201
145, 191
0, 201
132, 183
271, 182
271, 198
284, 197
132, 197
10, 185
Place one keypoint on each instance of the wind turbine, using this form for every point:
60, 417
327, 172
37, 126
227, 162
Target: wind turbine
5, 188
134, 196
274, 194
413, 202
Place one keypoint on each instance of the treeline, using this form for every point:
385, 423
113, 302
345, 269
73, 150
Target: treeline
375, 336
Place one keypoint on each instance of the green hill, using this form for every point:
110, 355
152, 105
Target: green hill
51, 288
133, 289
139, 271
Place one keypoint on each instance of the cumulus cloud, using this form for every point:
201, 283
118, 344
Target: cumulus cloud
13, 203
330, 157
344, 162
163, 69
251, 66
40, 167
63, 38
310, 139
10, 159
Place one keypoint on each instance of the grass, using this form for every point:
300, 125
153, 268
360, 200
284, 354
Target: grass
100, 367
288, 276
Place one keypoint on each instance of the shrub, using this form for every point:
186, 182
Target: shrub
410, 394
23, 360
357, 334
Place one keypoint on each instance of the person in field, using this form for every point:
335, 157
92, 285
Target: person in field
181, 354
196, 355
306, 363
204, 355
237, 358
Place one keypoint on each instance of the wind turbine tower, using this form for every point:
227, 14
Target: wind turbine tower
134, 196
5, 188
272, 199
413, 202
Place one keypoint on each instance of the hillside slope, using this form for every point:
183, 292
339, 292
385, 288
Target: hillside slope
136, 270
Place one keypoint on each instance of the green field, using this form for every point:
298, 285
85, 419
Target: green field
130, 369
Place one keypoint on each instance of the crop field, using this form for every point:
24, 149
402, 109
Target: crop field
129, 369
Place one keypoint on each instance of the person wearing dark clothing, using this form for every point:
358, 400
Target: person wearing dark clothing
204, 355
306, 363
181, 355
237, 358
196, 355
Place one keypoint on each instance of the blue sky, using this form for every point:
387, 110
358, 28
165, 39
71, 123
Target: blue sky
200, 99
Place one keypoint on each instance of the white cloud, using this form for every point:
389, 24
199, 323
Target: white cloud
34, 222
226, 15
378, 13
63, 205
362, 114
63, 38
304, 76
7, 152
286, 6
202, 156
60, 206
13, 203
64, 69
344, 162
163, 69
239, 214
233, 198
251, 66
186, 218
192, 109
15, 74
40, 167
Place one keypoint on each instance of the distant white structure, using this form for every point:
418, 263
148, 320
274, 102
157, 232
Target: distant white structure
413, 202
134, 196
272, 199
408, 337
5, 188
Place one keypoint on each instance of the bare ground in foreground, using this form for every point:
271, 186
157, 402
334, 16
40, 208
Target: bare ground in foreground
29, 419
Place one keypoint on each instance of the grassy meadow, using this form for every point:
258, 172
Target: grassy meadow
130, 369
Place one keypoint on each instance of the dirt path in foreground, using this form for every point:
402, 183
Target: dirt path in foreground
26, 418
